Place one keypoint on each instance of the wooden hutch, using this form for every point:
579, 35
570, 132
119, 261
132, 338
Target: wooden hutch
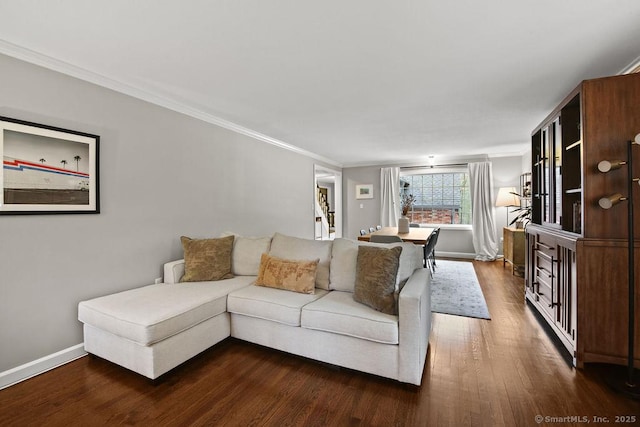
576, 253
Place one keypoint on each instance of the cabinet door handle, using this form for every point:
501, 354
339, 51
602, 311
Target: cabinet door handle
553, 304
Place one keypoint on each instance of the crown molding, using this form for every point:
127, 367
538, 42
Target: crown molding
45, 61
633, 67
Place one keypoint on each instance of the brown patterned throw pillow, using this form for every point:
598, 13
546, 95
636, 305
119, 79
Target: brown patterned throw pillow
376, 271
207, 259
296, 276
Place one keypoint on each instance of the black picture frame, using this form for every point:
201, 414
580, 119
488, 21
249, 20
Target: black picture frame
48, 170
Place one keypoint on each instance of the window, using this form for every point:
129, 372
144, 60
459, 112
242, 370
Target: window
441, 198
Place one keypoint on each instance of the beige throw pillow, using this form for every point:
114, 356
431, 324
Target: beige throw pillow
207, 259
376, 272
296, 276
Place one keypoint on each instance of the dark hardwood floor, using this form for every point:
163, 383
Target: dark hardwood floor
482, 373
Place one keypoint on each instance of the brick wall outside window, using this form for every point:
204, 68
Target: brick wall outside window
435, 216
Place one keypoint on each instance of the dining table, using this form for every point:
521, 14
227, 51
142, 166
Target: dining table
417, 235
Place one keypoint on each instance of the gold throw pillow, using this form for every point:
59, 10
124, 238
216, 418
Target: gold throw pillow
296, 276
207, 259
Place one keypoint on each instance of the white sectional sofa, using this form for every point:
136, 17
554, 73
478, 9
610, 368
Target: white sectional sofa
152, 329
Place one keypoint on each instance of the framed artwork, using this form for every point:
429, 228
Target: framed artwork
47, 170
364, 191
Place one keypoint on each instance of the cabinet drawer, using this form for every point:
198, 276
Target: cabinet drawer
544, 291
545, 245
543, 297
544, 264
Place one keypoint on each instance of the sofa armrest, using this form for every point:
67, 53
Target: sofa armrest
173, 271
414, 312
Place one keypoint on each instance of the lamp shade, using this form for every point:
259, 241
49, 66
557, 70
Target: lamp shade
506, 198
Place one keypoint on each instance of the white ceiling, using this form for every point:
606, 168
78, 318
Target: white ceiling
355, 81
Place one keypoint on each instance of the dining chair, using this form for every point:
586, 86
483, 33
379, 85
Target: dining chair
363, 232
430, 251
384, 239
378, 227
435, 233
372, 230
428, 248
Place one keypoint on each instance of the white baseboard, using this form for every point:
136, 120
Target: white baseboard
463, 255
37, 367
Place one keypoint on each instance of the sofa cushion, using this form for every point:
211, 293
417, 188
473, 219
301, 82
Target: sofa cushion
245, 257
288, 247
376, 272
152, 313
344, 257
270, 304
290, 275
207, 259
338, 313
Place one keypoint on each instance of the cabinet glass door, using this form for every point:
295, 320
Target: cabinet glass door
536, 178
557, 174
545, 194
551, 194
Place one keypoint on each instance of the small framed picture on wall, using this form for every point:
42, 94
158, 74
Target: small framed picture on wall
364, 191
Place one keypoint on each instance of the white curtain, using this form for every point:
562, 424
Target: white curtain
484, 228
389, 196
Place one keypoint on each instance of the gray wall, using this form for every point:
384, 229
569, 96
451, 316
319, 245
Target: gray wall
366, 213
360, 213
162, 175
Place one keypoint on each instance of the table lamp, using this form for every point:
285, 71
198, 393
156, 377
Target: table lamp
507, 197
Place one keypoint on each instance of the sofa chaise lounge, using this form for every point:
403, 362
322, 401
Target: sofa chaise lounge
152, 329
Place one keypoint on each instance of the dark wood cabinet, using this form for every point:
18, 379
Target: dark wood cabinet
551, 284
576, 264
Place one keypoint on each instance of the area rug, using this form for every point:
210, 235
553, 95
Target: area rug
455, 290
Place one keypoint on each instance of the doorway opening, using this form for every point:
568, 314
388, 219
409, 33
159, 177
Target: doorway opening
327, 218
